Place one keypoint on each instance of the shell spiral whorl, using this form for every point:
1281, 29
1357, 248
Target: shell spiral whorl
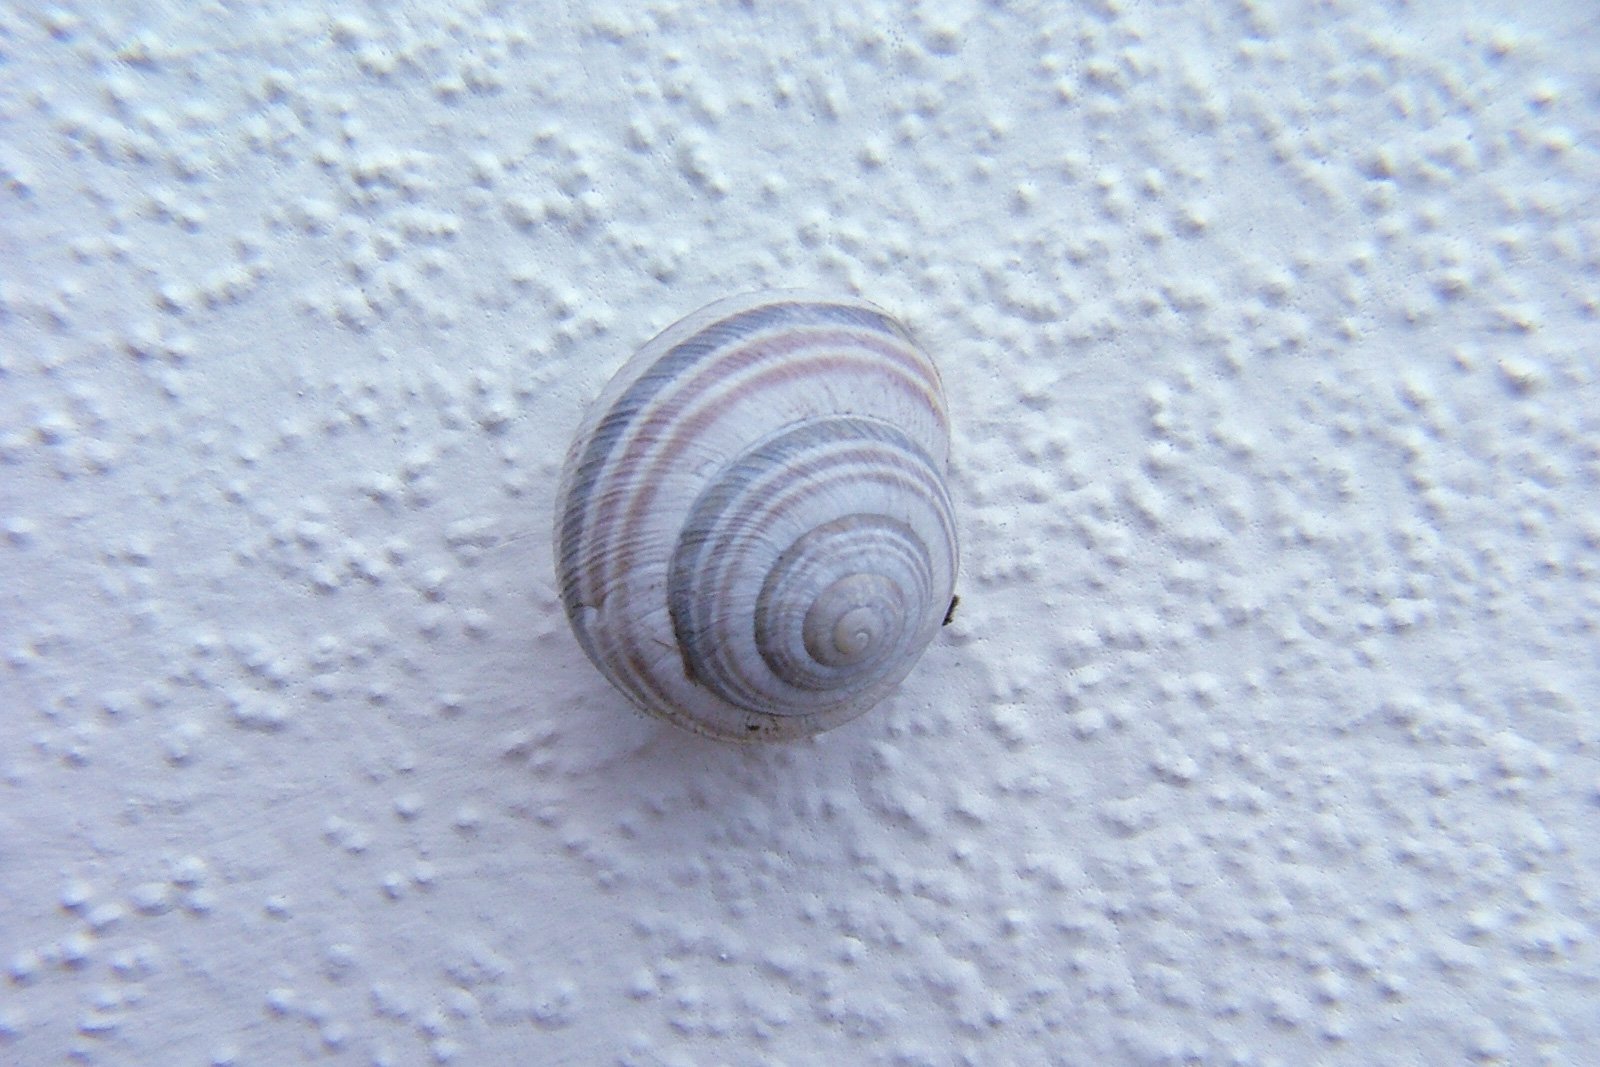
753, 537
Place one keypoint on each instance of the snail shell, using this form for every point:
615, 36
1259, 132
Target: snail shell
753, 537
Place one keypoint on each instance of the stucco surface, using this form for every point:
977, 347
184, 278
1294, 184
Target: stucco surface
1266, 731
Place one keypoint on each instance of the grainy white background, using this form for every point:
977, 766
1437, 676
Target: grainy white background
1267, 731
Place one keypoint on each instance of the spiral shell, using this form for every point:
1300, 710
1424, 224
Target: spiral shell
753, 537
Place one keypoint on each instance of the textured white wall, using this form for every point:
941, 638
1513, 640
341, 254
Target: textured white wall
1266, 732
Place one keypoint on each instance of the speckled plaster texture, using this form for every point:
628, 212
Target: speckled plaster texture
1266, 731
